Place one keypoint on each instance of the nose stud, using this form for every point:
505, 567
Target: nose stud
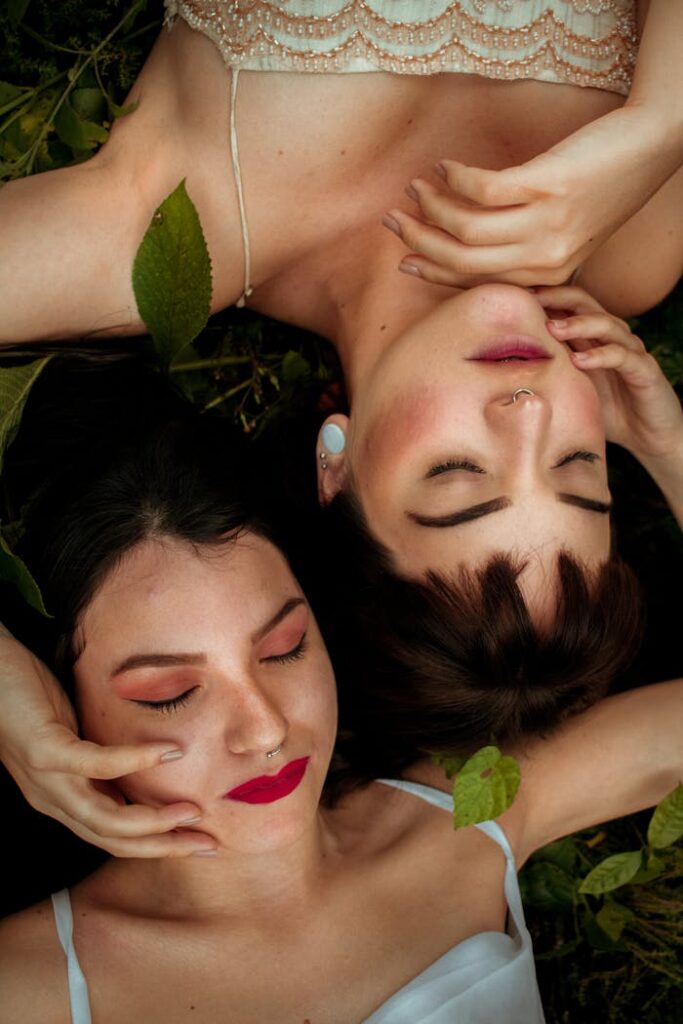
272, 753
522, 391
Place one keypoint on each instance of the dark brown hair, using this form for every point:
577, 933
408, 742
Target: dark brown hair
448, 664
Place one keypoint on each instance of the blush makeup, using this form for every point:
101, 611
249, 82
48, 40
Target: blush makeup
265, 789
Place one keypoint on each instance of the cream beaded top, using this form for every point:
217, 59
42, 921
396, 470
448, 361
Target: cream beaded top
579, 42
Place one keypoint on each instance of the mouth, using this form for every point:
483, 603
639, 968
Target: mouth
518, 348
265, 789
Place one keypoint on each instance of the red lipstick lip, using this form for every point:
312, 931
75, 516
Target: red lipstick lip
265, 789
518, 347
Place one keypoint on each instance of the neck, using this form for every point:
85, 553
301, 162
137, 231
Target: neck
230, 883
370, 305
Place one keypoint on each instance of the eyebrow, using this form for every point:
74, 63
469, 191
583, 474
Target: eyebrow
154, 660
487, 508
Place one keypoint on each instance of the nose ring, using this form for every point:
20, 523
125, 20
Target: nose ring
272, 753
522, 391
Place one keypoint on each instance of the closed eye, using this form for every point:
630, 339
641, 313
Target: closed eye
293, 655
452, 464
578, 456
167, 705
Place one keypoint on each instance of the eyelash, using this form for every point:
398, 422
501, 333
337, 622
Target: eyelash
449, 464
471, 467
293, 655
167, 706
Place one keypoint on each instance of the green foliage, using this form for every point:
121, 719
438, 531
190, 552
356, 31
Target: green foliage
172, 276
485, 784
59, 99
14, 570
666, 826
15, 385
599, 958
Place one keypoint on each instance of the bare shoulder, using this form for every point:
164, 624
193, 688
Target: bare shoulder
33, 969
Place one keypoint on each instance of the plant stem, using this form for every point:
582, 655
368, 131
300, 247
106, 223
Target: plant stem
211, 364
227, 394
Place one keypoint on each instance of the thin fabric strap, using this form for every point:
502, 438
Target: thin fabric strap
78, 988
237, 171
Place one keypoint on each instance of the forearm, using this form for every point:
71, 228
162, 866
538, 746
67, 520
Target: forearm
658, 79
67, 245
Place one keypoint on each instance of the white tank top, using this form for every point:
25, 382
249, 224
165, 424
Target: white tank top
488, 978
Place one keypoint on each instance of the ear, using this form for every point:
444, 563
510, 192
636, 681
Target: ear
331, 458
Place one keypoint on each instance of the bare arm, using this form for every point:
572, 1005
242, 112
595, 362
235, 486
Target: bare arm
624, 754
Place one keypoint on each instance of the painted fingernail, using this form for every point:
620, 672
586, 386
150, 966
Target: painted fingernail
171, 755
392, 224
411, 193
440, 170
190, 821
204, 853
409, 268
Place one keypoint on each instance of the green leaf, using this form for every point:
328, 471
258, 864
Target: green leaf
15, 384
14, 570
547, 887
609, 874
651, 868
295, 367
172, 276
485, 787
450, 763
89, 104
9, 92
613, 918
77, 132
666, 824
597, 936
116, 111
562, 852
16, 10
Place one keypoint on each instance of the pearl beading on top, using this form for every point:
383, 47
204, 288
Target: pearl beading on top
589, 43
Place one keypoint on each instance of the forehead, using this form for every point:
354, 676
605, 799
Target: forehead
165, 577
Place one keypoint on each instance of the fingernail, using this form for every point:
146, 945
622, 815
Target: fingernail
581, 356
411, 193
171, 755
409, 268
440, 170
561, 324
190, 821
392, 224
204, 853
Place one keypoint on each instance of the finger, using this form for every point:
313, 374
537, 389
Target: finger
419, 266
63, 752
174, 844
596, 327
103, 815
487, 188
567, 297
442, 248
637, 370
473, 225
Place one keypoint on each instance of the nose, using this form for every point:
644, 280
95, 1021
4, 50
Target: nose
256, 724
521, 415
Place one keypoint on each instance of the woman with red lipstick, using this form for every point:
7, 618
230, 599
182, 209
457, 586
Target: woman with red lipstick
180, 622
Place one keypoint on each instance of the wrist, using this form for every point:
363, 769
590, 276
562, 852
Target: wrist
666, 470
659, 126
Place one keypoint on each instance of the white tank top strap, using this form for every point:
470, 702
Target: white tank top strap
78, 987
237, 171
492, 829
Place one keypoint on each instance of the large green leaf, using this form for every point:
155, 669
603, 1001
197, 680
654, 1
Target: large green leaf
172, 276
666, 824
76, 131
15, 385
612, 872
485, 786
613, 918
14, 570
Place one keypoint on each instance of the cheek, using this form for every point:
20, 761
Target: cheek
582, 404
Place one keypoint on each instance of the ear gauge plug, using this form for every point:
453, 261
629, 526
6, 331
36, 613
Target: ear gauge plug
333, 439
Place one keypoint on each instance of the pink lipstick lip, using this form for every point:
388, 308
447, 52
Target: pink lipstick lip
518, 347
265, 789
